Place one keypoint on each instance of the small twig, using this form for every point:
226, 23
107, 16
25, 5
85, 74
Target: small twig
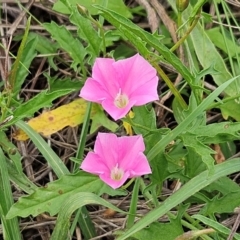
151, 15
235, 227
15, 24
167, 21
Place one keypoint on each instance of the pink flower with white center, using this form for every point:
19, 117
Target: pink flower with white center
120, 85
115, 159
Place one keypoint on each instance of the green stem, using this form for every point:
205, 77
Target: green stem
183, 38
179, 19
225, 100
148, 195
100, 27
133, 206
171, 86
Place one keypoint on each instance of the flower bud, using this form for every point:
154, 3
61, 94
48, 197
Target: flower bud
82, 10
182, 5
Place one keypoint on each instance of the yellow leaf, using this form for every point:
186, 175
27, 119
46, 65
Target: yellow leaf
127, 126
47, 123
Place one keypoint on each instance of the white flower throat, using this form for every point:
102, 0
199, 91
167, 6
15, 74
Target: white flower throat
117, 173
121, 100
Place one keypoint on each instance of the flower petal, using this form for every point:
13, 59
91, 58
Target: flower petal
105, 74
129, 149
113, 183
145, 93
93, 163
134, 72
106, 146
141, 166
93, 91
115, 112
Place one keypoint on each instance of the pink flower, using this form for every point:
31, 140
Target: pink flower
115, 159
119, 85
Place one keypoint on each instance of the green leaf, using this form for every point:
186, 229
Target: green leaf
213, 224
223, 185
225, 204
208, 55
24, 57
51, 197
159, 167
219, 41
116, 5
67, 42
56, 84
100, 119
203, 151
145, 117
11, 150
20, 179
28, 54
194, 163
158, 231
70, 205
231, 109
43, 99
180, 114
87, 33
217, 132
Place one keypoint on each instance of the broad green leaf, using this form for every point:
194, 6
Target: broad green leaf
231, 109
189, 189
159, 167
51, 197
218, 40
223, 185
217, 132
67, 42
180, 114
157, 231
213, 224
203, 151
100, 119
87, 33
116, 5
43, 99
208, 55
144, 116
225, 204
194, 163
70, 205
